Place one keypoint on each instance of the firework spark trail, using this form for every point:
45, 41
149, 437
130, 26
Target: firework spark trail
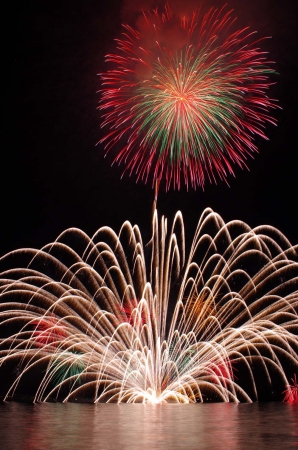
186, 97
97, 323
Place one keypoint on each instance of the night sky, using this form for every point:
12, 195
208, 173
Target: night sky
54, 176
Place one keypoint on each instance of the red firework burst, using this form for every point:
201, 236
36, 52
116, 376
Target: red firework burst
185, 97
48, 331
223, 370
291, 393
129, 312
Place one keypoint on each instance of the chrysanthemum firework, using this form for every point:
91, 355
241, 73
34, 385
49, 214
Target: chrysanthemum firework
185, 97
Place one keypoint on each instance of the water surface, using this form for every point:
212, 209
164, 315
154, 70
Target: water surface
228, 426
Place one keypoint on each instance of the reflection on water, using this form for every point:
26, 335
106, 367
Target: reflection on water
133, 427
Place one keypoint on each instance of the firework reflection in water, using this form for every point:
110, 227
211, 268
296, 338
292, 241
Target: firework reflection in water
89, 319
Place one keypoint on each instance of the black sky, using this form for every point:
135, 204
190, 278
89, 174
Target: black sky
54, 177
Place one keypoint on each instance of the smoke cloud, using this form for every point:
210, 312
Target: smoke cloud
171, 35
132, 9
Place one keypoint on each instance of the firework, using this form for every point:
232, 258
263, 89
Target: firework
185, 97
47, 331
291, 393
88, 319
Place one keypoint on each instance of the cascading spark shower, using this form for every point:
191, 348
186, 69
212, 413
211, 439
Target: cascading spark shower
94, 319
